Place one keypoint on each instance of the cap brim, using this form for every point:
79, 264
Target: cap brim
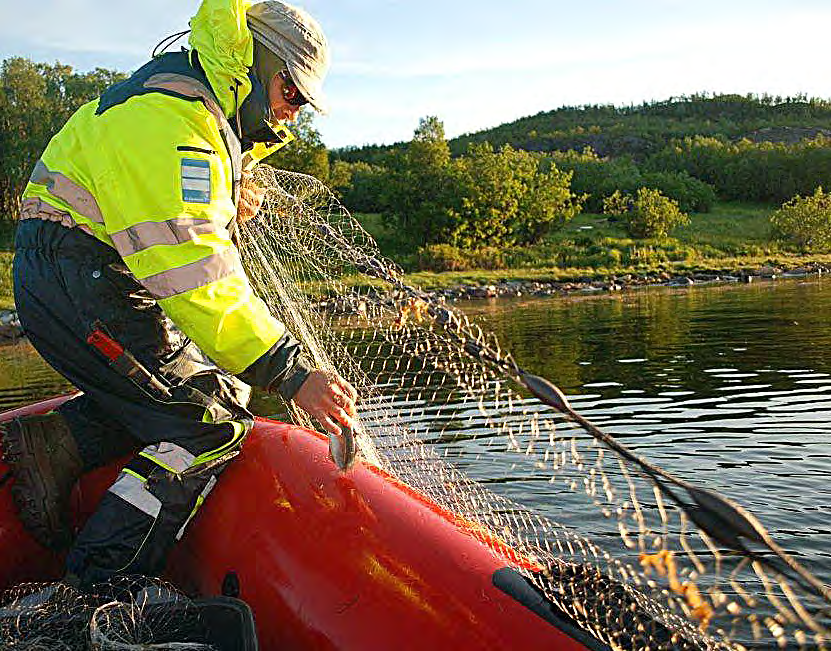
315, 96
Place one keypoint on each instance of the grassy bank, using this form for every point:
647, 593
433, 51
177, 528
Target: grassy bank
730, 230
732, 237
452, 279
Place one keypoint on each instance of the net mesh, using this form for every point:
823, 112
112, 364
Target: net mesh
443, 410
123, 615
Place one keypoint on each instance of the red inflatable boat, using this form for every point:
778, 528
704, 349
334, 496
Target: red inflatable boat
330, 560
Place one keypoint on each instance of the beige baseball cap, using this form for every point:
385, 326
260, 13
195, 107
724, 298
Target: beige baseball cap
296, 38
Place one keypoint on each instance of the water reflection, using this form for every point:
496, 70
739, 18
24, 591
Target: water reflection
728, 387
24, 377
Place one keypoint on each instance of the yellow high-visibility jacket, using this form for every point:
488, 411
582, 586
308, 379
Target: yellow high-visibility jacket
151, 168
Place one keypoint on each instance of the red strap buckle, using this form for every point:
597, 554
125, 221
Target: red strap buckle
106, 345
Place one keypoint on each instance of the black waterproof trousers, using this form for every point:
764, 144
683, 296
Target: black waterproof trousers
66, 285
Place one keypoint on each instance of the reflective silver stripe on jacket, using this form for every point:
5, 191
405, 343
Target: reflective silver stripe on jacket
74, 194
194, 275
199, 501
141, 236
36, 208
169, 455
190, 87
132, 490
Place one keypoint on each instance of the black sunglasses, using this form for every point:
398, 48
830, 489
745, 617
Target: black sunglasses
291, 93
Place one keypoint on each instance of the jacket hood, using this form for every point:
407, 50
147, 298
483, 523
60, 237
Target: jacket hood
220, 34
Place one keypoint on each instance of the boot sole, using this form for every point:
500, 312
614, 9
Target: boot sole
29, 491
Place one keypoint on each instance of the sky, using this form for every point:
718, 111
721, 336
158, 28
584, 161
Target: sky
476, 64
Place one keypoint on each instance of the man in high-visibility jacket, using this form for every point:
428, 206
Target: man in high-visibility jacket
128, 283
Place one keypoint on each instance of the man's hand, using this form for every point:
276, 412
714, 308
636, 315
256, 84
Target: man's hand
251, 198
329, 399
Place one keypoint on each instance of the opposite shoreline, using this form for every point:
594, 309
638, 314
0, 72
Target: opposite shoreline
619, 283
11, 330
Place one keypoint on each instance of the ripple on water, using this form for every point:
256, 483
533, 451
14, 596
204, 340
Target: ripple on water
728, 394
714, 386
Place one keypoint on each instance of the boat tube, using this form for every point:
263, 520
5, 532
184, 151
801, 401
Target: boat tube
329, 559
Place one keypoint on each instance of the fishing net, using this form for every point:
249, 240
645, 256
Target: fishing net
123, 615
637, 557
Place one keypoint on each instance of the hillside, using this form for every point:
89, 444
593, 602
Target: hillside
645, 129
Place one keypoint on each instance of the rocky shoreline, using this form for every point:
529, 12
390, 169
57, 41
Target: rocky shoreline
10, 328
350, 303
514, 288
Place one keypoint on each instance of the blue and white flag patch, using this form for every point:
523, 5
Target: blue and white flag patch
196, 180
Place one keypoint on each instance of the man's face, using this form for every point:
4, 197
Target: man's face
281, 109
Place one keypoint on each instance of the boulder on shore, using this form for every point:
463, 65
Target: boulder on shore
10, 327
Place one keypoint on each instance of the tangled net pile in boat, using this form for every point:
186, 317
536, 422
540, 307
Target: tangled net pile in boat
642, 559
124, 615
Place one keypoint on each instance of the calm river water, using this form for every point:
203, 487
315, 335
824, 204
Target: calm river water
728, 386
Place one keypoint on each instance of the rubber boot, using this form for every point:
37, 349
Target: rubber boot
45, 463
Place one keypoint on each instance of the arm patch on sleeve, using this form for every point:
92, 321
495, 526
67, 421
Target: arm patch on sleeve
196, 180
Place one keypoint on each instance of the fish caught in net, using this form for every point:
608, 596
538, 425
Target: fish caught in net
640, 558
123, 615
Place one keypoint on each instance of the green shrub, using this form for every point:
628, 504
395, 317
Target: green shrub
488, 257
358, 185
805, 221
485, 198
646, 256
691, 194
648, 214
441, 257
446, 257
749, 171
617, 204
8, 227
596, 177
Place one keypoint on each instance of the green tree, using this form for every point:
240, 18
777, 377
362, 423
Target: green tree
691, 194
417, 193
507, 198
491, 191
752, 148
805, 221
618, 204
648, 214
307, 154
358, 185
597, 177
482, 199
750, 171
548, 202
36, 99
429, 148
